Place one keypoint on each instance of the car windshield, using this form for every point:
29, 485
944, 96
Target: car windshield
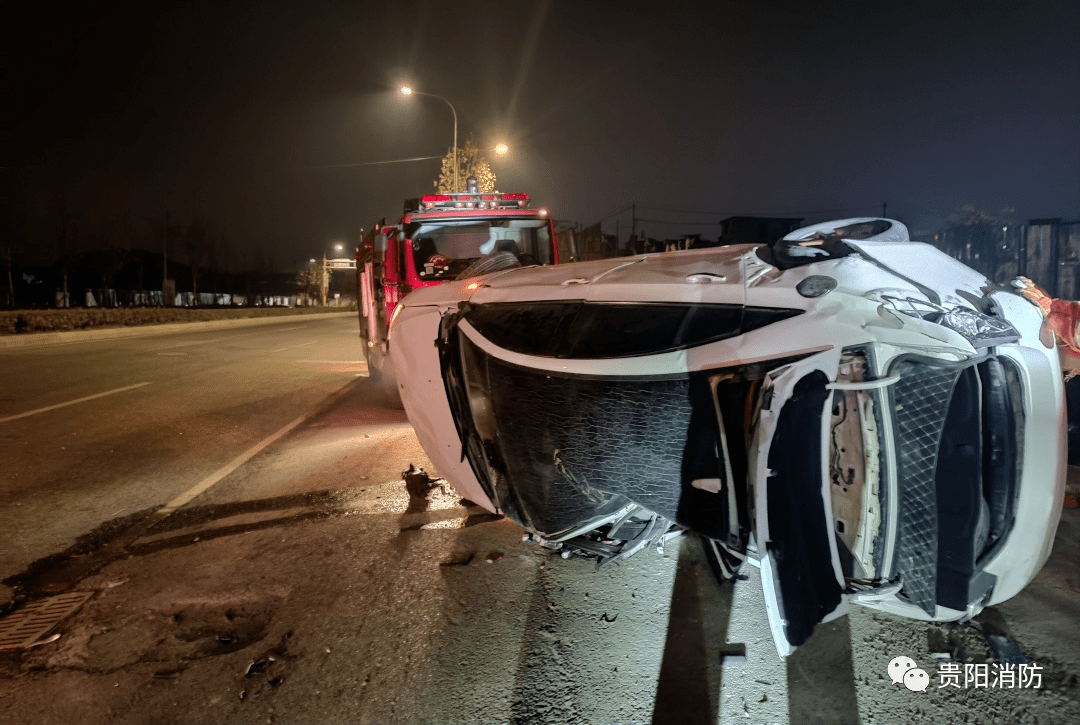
460, 243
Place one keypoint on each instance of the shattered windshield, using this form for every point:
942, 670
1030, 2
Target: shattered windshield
442, 249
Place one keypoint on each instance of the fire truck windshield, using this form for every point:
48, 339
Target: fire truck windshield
442, 249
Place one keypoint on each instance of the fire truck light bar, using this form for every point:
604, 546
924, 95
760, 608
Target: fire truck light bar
473, 201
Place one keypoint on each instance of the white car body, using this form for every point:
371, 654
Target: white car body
865, 331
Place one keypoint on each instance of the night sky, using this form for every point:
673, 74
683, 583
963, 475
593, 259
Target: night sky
249, 115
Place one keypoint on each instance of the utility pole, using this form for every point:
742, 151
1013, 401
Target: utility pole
165, 264
11, 284
633, 220
165, 252
884, 210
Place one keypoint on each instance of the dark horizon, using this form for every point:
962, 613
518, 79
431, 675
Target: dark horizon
248, 115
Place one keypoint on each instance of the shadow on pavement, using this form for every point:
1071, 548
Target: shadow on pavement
690, 672
141, 533
821, 677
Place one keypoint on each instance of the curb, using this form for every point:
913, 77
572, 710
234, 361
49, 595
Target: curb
38, 339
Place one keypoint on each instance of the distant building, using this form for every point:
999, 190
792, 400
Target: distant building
594, 244
648, 245
566, 241
1045, 250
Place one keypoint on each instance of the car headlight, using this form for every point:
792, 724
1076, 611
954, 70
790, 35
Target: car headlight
979, 329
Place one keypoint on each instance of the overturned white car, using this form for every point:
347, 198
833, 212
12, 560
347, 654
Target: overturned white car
863, 416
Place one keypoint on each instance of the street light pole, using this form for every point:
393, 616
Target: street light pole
164, 256
406, 90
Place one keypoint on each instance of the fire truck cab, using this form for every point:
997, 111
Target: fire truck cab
440, 238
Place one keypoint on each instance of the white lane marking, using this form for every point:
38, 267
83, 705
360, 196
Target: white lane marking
336, 362
225, 470
293, 347
71, 402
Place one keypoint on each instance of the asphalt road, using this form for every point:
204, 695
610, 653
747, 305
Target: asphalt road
171, 411
252, 554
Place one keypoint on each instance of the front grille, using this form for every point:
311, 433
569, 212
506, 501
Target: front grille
920, 403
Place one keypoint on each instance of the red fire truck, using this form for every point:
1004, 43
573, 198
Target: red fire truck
440, 238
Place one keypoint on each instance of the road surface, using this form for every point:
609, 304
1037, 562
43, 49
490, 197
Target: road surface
233, 504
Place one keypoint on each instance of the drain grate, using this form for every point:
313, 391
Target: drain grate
26, 626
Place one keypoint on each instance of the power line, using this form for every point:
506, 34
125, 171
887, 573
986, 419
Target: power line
374, 163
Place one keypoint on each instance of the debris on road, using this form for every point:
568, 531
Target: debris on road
47, 640
259, 666
459, 560
419, 486
1006, 650
734, 653
494, 557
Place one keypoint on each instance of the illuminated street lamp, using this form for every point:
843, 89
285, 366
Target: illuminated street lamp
501, 149
407, 91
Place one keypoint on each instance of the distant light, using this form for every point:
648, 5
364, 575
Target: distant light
501, 149
338, 247
312, 261
406, 91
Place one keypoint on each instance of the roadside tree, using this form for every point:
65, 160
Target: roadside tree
471, 162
